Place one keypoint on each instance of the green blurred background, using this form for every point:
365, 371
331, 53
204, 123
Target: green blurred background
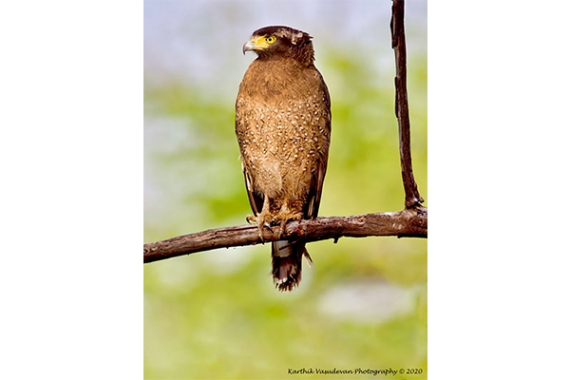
216, 315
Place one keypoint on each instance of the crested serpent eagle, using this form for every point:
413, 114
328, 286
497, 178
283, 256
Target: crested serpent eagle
283, 126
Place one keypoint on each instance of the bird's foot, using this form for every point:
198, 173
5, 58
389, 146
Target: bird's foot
263, 220
286, 217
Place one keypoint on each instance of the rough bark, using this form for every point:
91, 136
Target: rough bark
407, 223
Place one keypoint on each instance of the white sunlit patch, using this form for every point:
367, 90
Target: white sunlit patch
370, 302
227, 261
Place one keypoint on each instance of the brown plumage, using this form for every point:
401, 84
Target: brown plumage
283, 125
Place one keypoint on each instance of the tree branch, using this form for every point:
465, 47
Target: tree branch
413, 197
407, 223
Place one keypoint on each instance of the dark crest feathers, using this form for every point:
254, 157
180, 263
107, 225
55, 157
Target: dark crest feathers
291, 43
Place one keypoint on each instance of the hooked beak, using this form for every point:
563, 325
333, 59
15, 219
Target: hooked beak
249, 45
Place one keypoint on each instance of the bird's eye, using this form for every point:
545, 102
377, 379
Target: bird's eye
270, 39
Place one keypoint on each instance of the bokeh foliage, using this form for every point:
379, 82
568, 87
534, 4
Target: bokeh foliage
216, 314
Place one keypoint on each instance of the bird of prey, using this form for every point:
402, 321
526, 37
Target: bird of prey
283, 126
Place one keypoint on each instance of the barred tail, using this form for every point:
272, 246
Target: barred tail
287, 263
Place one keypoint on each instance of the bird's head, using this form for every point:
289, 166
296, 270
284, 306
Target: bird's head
281, 41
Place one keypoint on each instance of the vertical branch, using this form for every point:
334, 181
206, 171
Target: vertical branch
413, 198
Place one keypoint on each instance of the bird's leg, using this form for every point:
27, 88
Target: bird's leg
263, 219
285, 215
